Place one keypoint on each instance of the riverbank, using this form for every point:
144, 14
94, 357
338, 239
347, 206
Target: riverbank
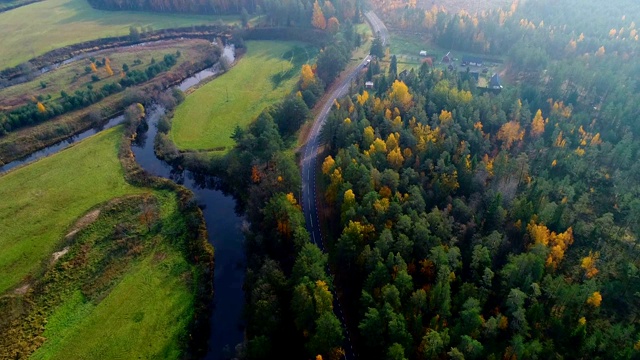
20, 143
113, 255
75, 21
221, 328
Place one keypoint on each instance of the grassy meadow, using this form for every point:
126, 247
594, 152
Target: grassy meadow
130, 297
34, 29
122, 290
72, 77
42, 200
265, 75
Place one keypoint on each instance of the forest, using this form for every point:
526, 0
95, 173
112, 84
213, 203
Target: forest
475, 225
282, 13
289, 291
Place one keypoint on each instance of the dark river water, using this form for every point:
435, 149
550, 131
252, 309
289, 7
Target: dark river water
224, 227
219, 209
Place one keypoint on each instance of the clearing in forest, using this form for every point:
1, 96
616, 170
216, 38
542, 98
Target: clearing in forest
263, 77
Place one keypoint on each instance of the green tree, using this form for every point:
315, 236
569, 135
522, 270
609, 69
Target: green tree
377, 49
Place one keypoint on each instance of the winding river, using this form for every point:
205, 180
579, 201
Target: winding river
219, 209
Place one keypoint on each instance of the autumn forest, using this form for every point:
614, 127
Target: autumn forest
339, 179
482, 225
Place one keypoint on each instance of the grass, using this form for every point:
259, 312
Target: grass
407, 48
123, 290
265, 75
56, 23
72, 77
144, 309
42, 200
365, 47
143, 317
5, 5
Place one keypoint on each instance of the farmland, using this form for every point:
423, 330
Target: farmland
265, 75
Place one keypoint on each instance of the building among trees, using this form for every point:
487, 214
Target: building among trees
494, 82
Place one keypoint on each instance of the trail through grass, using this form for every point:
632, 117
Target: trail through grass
265, 75
34, 29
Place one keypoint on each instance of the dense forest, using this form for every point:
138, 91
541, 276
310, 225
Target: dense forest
480, 225
282, 13
289, 292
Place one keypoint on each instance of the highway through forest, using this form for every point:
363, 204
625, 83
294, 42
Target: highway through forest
309, 163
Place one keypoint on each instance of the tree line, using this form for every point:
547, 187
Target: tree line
45, 108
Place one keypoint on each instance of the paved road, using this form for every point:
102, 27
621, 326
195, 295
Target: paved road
310, 161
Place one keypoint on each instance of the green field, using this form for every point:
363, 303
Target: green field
137, 305
265, 75
72, 77
42, 200
407, 49
34, 29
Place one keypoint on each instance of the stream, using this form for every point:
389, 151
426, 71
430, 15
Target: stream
219, 210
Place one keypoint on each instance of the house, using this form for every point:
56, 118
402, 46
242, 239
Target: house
368, 85
423, 52
494, 82
447, 58
472, 60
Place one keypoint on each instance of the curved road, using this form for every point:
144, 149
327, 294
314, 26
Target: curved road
309, 164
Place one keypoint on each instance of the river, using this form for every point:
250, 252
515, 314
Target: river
224, 227
219, 210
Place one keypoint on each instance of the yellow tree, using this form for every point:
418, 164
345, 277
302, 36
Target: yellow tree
378, 146
307, 76
588, 263
392, 142
595, 299
93, 67
363, 98
368, 136
537, 125
395, 158
400, 94
445, 117
327, 165
41, 107
317, 19
557, 243
600, 52
108, 69
509, 133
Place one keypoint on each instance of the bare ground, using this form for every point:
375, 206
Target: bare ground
82, 223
